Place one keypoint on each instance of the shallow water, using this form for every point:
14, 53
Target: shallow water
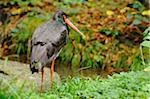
64, 71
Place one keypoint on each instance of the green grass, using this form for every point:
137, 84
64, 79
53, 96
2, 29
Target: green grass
119, 86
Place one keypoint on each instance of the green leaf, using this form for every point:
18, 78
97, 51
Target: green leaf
146, 43
136, 21
15, 30
147, 34
129, 16
147, 69
110, 32
147, 37
137, 5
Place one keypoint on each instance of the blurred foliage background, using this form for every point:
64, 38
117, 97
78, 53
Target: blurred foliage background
114, 31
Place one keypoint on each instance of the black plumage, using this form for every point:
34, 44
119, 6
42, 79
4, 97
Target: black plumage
47, 42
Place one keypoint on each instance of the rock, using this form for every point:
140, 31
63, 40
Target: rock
22, 72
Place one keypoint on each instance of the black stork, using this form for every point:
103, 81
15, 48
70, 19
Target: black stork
47, 42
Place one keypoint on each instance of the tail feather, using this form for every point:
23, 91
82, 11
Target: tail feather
33, 69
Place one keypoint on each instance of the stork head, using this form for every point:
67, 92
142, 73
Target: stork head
58, 16
62, 17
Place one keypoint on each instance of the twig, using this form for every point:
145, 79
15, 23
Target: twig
142, 55
83, 68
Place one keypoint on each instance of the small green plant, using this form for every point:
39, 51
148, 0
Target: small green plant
109, 32
82, 53
146, 45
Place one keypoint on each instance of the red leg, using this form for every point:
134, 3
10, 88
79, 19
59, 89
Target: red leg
52, 71
42, 80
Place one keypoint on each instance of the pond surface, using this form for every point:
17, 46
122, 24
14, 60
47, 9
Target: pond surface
64, 71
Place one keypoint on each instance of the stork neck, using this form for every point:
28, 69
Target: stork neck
61, 21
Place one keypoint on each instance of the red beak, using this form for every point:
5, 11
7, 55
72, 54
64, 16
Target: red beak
73, 27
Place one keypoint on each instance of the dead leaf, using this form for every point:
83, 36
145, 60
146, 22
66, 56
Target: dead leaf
109, 13
146, 12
